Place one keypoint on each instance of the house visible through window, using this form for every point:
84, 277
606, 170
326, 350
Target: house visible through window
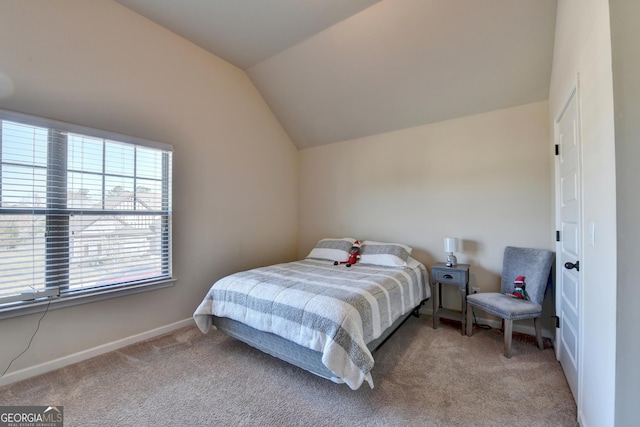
81, 210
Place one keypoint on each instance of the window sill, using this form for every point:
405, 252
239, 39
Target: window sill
80, 297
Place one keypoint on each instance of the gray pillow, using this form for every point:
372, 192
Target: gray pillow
385, 254
332, 249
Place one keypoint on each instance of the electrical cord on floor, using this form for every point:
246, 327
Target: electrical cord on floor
475, 321
30, 341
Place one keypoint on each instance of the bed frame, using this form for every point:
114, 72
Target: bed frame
293, 353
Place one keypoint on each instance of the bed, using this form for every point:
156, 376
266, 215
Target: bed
328, 319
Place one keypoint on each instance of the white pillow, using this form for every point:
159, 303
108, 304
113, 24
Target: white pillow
385, 254
332, 249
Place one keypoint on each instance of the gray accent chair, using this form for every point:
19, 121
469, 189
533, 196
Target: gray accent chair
535, 265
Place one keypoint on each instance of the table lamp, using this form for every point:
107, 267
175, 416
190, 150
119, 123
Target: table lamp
451, 245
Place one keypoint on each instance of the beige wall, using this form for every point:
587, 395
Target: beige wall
484, 178
235, 170
583, 46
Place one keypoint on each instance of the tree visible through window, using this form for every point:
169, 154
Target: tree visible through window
80, 209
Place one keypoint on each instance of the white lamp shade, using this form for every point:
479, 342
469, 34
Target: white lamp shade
451, 244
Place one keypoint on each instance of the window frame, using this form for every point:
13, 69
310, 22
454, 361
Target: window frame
59, 297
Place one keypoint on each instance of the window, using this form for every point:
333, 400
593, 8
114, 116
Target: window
82, 211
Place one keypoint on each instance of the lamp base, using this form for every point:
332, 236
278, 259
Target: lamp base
452, 261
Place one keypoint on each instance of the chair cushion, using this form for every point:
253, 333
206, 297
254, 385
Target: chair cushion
505, 306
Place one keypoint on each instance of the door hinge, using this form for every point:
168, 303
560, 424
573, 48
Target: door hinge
557, 319
557, 235
557, 149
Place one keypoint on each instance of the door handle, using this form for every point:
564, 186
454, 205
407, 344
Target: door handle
570, 265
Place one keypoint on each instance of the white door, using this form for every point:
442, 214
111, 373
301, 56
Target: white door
568, 247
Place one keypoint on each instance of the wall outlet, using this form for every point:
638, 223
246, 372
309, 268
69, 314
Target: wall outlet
475, 289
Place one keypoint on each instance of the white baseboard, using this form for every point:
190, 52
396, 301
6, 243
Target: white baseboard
61, 362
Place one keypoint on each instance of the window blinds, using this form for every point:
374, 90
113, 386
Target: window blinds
80, 209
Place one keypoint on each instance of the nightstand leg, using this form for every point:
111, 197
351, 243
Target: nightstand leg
434, 296
463, 316
469, 321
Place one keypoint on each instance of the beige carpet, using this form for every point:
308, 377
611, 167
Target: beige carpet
422, 376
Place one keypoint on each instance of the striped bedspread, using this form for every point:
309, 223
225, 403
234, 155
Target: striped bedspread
334, 310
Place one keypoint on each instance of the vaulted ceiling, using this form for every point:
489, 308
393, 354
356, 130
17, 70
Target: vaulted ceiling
333, 70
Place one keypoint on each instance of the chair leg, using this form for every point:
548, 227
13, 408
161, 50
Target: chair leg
508, 329
538, 327
469, 320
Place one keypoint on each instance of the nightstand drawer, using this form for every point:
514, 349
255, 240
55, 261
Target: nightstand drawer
455, 277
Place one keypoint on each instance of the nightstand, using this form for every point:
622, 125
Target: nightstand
457, 276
